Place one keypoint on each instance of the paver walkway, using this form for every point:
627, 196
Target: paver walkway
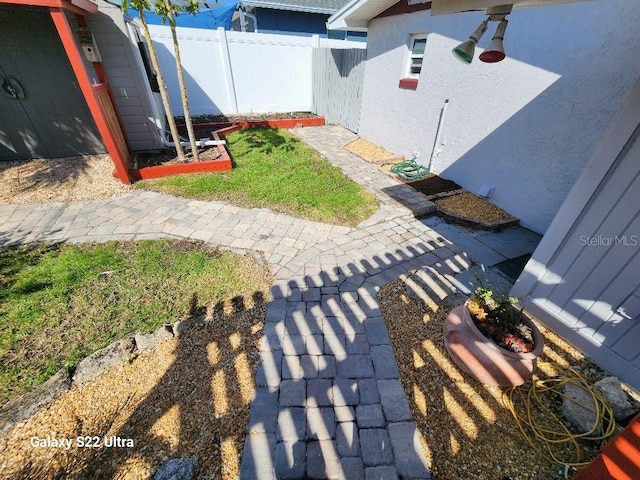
328, 401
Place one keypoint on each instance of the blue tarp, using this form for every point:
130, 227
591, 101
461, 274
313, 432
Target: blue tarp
205, 18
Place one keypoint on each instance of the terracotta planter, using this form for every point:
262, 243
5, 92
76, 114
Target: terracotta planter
481, 358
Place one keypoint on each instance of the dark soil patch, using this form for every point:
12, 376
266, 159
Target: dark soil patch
245, 117
434, 184
168, 156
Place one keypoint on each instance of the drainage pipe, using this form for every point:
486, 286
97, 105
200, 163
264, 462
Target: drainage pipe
436, 145
199, 143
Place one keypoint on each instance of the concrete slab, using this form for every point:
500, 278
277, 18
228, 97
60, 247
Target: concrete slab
511, 242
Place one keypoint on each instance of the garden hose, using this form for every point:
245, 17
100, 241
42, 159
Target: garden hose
409, 170
537, 435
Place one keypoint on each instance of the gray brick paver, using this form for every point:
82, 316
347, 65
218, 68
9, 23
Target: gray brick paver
323, 461
321, 423
376, 447
370, 416
291, 460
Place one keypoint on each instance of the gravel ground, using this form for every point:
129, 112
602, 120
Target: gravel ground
467, 430
471, 206
71, 179
190, 397
187, 397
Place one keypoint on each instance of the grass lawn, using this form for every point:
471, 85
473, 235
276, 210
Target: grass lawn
60, 303
273, 169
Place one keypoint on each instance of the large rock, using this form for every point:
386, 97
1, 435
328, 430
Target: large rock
102, 360
28, 404
177, 469
151, 340
616, 398
578, 408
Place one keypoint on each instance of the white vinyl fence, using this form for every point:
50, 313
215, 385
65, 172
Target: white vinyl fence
239, 72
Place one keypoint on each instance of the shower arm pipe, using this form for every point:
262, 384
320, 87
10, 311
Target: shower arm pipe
436, 145
199, 143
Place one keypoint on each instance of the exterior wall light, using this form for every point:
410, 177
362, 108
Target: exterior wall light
495, 51
464, 52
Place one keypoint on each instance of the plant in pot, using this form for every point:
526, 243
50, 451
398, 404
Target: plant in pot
492, 340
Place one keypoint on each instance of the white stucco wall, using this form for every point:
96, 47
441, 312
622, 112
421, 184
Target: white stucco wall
527, 125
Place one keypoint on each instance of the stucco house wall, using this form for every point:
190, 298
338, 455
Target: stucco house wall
526, 125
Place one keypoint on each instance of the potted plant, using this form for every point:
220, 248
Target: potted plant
492, 340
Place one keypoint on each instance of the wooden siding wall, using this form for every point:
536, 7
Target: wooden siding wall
585, 283
338, 75
127, 81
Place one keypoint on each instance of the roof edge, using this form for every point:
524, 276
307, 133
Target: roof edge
347, 17
288, 6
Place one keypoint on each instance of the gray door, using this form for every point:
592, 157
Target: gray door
338, 75
42, 110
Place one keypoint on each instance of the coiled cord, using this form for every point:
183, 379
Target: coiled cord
539, 436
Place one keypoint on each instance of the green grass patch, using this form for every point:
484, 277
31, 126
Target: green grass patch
60, 303
273, 169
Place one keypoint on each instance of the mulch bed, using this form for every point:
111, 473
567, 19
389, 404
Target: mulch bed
168, 156
371, 152
470, 210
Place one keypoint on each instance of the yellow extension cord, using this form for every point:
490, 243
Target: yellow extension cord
604, 426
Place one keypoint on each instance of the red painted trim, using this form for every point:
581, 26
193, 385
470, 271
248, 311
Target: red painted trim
91, 94
226, 131
275, 123
81, 7
408, 83
158, 171
619, 459
222, 164
403, 7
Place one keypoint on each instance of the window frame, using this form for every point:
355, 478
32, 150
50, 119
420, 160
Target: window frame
409, 80
411, 56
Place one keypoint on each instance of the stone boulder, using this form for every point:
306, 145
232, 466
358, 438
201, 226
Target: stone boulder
23, 407
151, 340
102, 360
177, 469
579, 407
611, 390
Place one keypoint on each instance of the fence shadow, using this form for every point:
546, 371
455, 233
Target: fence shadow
329, 402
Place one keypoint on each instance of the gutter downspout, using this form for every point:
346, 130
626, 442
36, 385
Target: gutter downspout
436, 145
